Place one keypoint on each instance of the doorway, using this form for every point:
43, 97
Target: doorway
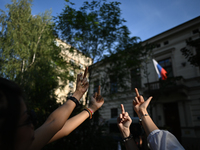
172, 119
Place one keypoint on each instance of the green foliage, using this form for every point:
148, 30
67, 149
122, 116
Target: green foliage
192, 51
30, 57
95, 29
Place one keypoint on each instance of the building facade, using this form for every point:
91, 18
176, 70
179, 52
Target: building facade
75, 58
176, 102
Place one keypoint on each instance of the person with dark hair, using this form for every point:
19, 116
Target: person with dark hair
16, 128
157, 139
10, 106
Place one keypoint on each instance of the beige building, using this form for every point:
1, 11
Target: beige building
73, 58
176, 101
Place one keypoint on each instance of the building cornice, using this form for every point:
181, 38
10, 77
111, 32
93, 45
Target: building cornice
174, 30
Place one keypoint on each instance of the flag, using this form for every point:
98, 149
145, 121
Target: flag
160, 70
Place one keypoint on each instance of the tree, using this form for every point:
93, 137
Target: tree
98, 31
25, 39
192, 51
95, 29
30, 57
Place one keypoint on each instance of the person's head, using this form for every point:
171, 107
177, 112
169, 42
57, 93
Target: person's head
16, 130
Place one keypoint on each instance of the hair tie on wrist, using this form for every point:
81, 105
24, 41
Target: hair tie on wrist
74, 100
89, 111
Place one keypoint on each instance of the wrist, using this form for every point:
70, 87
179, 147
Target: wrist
142, 112
77, 94
125, 133
89, 111
94, 109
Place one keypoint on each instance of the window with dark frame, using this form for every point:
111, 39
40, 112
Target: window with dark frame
71, 72
71, 84
96, 85
167, 65
135, 78
72, 62
113, 84
80, 66
158, 45
114, 112
166, 42
195, 31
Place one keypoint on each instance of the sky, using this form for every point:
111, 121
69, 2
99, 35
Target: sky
145, 18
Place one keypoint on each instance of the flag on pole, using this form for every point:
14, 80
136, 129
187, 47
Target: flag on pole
160, 70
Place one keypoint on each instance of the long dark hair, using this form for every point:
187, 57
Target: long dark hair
10, 106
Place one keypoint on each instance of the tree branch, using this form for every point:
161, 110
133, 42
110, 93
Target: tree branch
33, 60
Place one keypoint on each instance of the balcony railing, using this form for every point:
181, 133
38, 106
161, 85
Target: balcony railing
169, 83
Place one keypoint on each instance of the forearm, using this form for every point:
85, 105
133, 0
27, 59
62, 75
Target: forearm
70, 125
147, 122
61, 114
129, 144
52, 125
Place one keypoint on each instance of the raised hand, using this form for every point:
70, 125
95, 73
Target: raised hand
96, 100
139, 104
82, 83
124, 121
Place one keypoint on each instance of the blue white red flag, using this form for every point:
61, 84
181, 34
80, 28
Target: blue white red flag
162, 73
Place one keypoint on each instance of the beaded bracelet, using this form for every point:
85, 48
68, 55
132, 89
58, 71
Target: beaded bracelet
89, 111
74, 100
140, 119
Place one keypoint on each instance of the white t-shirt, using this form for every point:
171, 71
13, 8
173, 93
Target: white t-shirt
163, 140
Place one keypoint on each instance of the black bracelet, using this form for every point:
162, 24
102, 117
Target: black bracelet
127, 138
74, 100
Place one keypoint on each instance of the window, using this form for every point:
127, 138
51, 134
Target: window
158, 45
195, 31
113, 84
96, 85
166, 42
71, 73
167, 65
56, 43
72, 62
114, 112
71, 84
80, 66
135, 78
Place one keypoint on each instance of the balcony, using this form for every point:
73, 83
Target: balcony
172, 84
